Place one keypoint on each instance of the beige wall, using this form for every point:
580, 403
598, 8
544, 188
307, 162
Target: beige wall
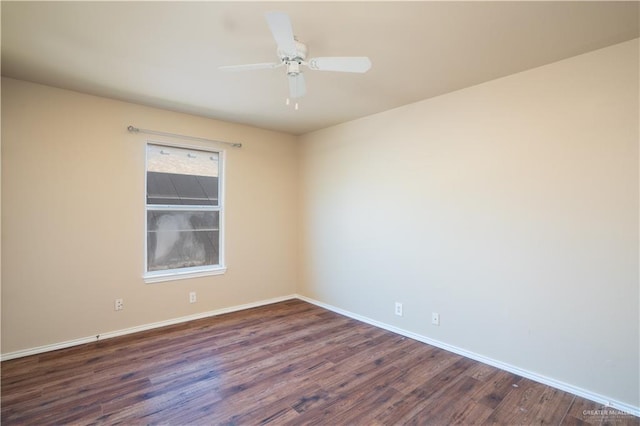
510, 208
73, 217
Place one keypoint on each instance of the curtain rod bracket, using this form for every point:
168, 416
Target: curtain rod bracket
133, 129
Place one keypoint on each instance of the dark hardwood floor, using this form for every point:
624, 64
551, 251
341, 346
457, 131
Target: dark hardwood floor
286, 363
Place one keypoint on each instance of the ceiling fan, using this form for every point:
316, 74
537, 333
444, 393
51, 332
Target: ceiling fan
293, 56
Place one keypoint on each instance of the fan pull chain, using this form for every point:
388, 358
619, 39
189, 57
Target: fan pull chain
287, 102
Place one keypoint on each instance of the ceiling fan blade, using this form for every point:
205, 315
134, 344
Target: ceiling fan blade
297, 86
280, 26
341, 63
249, 67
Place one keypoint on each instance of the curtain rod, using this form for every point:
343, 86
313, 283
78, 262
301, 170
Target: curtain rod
176, 135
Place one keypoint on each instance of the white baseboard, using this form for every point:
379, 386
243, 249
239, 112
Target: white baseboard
566, 387
144, 327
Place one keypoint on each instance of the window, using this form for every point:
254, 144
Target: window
184, 213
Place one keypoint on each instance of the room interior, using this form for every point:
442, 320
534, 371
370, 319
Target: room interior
484, 169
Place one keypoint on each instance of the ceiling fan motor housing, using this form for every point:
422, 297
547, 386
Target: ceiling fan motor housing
298, 56
293, 67
293, 61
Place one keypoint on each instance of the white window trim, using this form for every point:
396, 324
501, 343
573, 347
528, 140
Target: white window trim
199, 271
156, 277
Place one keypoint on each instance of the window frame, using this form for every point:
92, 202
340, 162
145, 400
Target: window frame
196, 271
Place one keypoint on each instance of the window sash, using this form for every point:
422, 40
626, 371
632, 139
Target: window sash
182, 189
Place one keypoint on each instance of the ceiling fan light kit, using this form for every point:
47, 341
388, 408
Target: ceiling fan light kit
292, 54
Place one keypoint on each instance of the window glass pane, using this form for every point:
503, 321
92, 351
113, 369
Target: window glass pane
179, 176
182, 239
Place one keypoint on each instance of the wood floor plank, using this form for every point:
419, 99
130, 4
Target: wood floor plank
366, 408
554, 404
450, 407
285, 363
423, 365
496, 388
434, 391
520, 405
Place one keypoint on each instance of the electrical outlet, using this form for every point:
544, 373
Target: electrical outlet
435, 318
192, 297
118, 304
399, 309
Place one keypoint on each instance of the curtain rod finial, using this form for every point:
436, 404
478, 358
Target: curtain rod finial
132, 129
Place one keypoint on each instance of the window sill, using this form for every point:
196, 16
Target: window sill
172, 276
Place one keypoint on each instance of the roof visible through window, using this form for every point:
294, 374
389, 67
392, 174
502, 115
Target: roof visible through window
167, 159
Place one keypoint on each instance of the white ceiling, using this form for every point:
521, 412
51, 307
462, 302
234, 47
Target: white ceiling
166, 54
